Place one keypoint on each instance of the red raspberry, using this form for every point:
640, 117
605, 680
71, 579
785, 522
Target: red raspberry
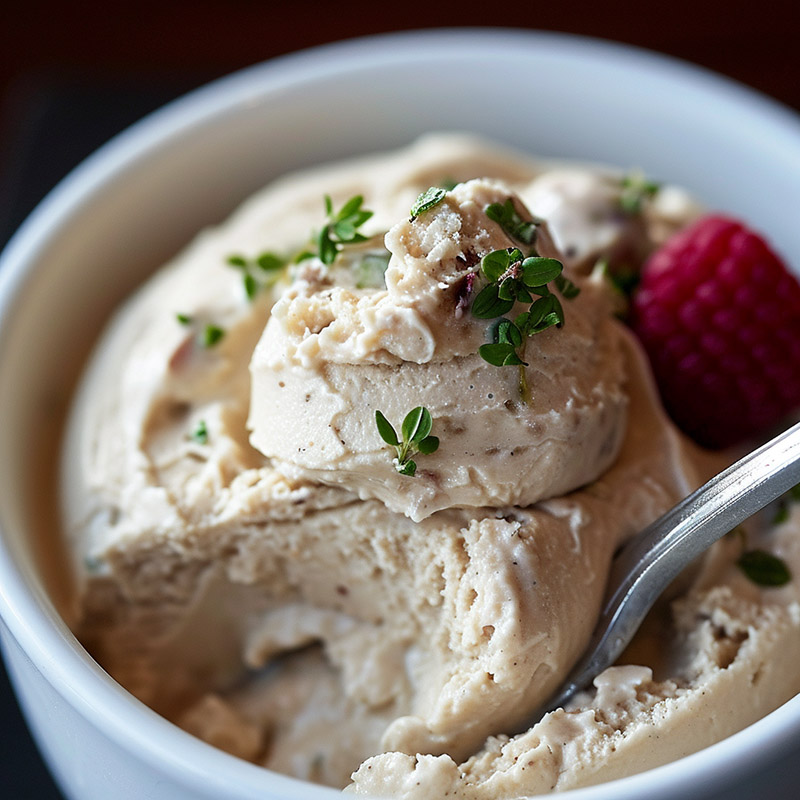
719, 317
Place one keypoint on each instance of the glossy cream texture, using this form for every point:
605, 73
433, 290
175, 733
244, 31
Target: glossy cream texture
310, 608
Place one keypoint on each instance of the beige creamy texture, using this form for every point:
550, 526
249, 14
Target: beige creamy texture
282, 592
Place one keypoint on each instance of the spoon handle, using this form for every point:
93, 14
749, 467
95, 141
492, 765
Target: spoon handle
651, 560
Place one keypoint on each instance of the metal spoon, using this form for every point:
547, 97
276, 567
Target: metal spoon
651, 560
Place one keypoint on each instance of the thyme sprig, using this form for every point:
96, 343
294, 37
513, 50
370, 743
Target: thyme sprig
426, 201
341, 229
763, 568
506, 216
513, 278
636, 190
259, 272
208, 336
416, 438
199, 433
760, 566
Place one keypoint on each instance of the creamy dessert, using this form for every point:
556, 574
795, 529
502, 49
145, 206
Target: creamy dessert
344, 480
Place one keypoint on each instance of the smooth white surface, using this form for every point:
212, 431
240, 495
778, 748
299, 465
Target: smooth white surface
141, 197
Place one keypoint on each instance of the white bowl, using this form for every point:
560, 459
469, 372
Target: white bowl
139, 198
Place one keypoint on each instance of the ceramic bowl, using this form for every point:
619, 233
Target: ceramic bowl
141, 197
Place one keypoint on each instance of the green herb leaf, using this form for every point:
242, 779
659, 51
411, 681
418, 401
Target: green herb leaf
200, 432
349, 208
537, 271
636, 189
261, 271
341, 228
506, 216
763, 568
269, 262
508, 333
488, 305
184, 319
499, 354
326, 247
385, 429
430, 444
407, 468
250, 286
212, 334
417, 424
427, 200
567, 288
415, 432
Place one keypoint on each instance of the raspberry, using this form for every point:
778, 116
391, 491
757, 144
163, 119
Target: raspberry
719, 317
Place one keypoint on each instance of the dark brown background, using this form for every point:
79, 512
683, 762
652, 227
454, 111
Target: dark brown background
74, 73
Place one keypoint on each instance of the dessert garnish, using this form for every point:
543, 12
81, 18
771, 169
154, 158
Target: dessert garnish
763, 568
426, 201
416, 438
516, 279
259, 272
200, 432
719, 316
506, 216
209, 336
212, 334
636, 189
341, 229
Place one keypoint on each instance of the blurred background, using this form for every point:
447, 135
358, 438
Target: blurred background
72, 74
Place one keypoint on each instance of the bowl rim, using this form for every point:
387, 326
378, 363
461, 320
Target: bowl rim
26, 610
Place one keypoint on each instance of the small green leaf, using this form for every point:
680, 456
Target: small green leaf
236, 261
558, 310
200, 432
763, 568
508, 289
269, 262
497, 353
350, 207
635, 190
430, 444
344, 230
409, 468
328, 205
360, 218
510, 221
327, 247
417, 424
508, 333
537, 271
494, 264
184, 319
567, 288
427, 200
538, 311
487, 304
385, 429
250, 285
212, 334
